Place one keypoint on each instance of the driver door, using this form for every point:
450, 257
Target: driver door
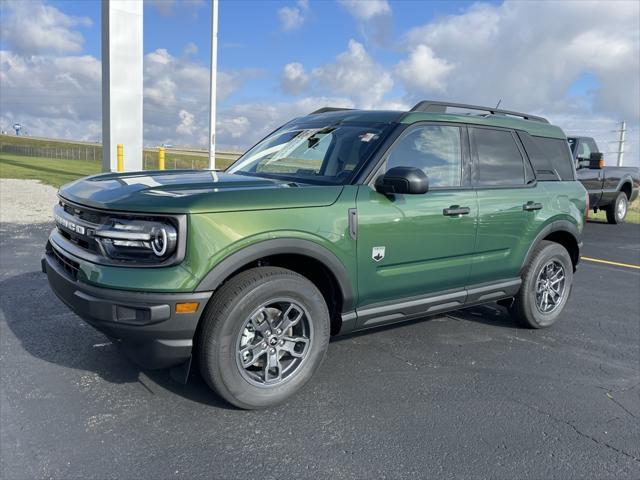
411, 248
590, 178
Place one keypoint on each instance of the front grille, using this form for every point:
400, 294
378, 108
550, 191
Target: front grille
78, 225
89, 244
67, 264
84, 214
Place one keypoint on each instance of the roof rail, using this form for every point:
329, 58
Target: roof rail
329, 109
441, 107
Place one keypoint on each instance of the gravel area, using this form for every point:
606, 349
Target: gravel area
26, 201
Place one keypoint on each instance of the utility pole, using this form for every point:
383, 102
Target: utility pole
212, 87
623, 129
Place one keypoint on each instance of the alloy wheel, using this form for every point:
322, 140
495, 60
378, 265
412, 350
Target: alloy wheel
274, 342
550, 287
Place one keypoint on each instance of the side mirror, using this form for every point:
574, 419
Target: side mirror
402, 180
596, 161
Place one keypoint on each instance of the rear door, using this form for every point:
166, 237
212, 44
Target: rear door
510, 204
411, 245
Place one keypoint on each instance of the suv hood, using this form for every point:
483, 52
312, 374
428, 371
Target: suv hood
193, 191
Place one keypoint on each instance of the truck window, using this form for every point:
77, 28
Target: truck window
584, 151
498, 158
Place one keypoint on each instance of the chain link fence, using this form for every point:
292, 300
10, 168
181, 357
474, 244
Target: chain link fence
174, 159
79, 152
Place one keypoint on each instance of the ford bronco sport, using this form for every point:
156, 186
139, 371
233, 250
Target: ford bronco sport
338, 221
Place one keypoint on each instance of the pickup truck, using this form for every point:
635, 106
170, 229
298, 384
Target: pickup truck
610, 188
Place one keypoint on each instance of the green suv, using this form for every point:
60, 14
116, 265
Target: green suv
338, 221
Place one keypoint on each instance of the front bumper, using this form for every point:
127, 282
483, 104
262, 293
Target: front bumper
146, 325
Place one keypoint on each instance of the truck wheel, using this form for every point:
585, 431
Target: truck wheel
264, 334
546, 285
617, 210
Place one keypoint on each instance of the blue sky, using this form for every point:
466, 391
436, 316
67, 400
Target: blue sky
576, 62
250, 33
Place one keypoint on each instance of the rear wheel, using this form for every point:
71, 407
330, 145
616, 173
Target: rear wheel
546, 285
617, 210
265, 333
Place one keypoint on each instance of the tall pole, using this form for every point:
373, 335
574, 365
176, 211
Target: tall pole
212, 86
122, 83
623, 129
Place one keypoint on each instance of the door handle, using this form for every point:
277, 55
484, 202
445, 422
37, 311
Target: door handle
455, 210
530, 206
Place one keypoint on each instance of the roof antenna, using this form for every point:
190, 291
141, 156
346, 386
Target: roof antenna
499, 102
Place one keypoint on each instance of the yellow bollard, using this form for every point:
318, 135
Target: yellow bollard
161, 158
120, 166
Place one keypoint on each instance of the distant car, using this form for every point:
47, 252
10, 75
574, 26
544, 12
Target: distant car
338, 221
610, 188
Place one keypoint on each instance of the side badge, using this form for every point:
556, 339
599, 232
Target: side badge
377, 253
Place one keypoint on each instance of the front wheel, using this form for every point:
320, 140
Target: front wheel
617, 210
265, 333
546, 285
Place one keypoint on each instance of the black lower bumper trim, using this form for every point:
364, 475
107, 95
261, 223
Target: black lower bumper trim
145, 324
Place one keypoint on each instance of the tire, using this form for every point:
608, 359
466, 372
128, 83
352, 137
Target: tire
237, 323
528, 307
617, 210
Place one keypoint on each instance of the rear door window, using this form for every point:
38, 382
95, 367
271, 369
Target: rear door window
498, 161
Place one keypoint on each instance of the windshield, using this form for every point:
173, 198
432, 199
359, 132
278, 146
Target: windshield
327, 154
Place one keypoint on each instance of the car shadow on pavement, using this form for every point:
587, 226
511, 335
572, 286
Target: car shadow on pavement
48, 330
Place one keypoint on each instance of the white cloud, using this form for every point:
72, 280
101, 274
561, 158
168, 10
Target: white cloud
356, 75
365, 10
294, 79
373, 19
422, 71
179, 88
244, 124
186, 125
532, 64
50, 87
33, 28
530, 55
292, 18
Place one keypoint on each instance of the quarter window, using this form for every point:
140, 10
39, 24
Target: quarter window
558, 153
498, 159
435, 149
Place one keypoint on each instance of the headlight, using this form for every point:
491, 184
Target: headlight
148, 241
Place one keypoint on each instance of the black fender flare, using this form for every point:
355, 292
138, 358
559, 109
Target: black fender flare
278, 246
625, 179
555, 226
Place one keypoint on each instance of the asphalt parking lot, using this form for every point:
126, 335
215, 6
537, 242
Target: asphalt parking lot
466, 395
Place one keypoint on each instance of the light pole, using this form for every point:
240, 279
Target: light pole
623, 129
212, 86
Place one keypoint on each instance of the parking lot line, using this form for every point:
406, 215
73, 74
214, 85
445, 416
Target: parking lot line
609, 262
